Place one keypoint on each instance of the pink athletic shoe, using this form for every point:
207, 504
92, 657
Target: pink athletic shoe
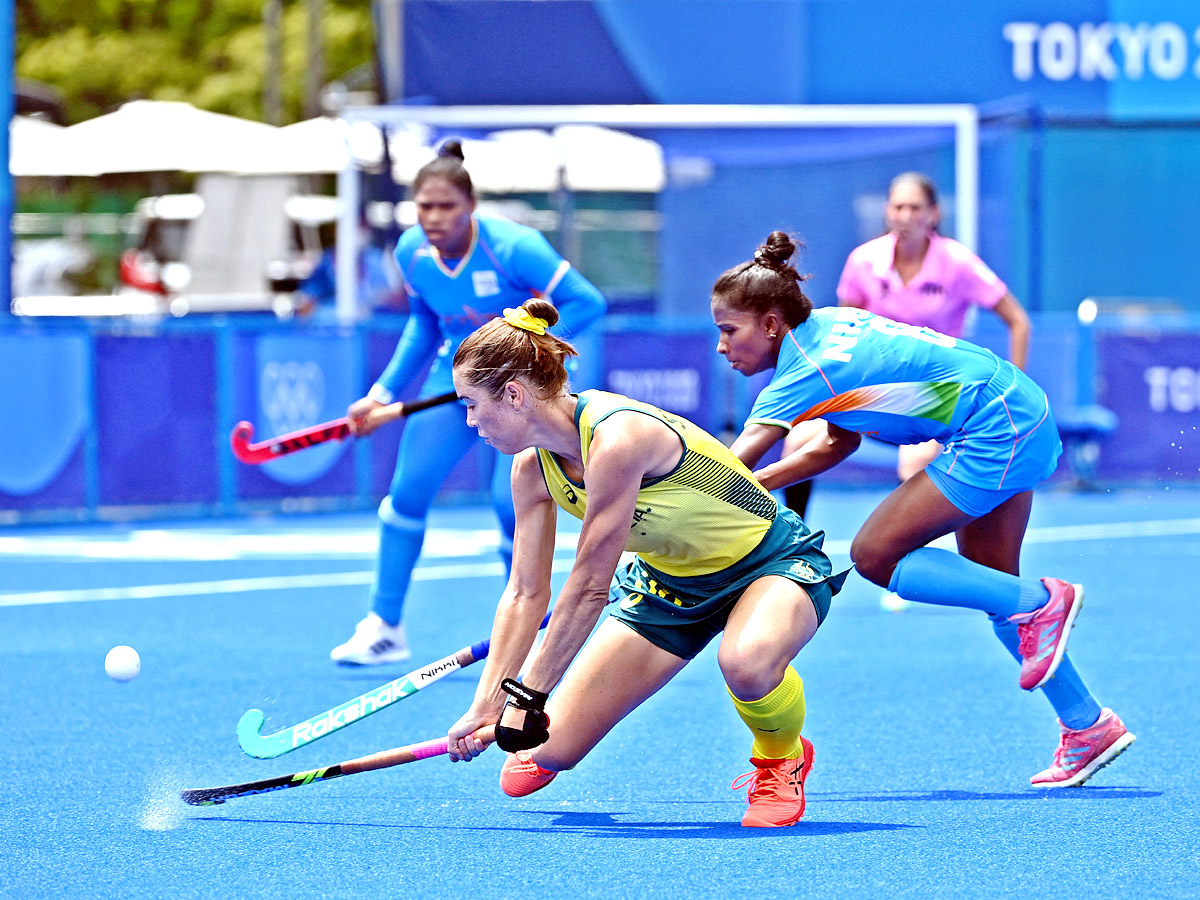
1081, 754
520, 775
1044, 632
776, 794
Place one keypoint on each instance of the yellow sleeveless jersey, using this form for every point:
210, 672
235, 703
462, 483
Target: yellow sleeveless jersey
703, 516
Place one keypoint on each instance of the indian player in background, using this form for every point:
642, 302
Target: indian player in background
460, 270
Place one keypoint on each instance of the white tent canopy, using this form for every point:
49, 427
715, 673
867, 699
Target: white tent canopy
156, 136
38, 147
310, 147
153, 136
527, 160
530, 160
602, 159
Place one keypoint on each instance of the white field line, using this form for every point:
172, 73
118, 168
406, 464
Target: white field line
229, 543
1047, 535
266, 583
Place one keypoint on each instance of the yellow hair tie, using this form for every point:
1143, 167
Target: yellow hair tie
525, 320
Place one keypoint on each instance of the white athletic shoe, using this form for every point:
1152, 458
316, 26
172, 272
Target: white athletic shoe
893, 602
374, 643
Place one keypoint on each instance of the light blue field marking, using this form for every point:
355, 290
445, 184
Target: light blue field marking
266, 583
492, 569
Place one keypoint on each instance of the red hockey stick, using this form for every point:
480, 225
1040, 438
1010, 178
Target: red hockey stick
275, 447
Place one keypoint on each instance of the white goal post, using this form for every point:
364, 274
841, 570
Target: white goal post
963, 118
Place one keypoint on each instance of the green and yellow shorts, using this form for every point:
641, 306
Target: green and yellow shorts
682, 614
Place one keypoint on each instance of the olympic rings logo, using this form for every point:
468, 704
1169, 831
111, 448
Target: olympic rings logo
292, 394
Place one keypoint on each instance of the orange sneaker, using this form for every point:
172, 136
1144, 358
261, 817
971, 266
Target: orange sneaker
520, 775
776, 795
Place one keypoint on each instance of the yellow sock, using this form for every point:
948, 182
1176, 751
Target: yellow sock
776, 719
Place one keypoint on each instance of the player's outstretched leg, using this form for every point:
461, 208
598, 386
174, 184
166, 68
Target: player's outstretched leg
430, 446
1081, 753
1045, 630
1043, 611
379, 639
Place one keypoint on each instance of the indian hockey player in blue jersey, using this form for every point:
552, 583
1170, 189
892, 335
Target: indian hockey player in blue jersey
857, 373
460, 270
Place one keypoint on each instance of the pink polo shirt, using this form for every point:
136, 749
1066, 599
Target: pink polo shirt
951, 280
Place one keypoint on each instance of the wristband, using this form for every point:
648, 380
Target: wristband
526, 697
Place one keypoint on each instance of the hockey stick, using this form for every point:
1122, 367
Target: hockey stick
268, 746
397, 756
335, 430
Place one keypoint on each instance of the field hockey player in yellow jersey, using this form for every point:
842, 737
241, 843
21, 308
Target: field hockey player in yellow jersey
715, 553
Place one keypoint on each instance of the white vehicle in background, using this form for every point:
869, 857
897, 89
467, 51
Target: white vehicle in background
155, 263
240, 243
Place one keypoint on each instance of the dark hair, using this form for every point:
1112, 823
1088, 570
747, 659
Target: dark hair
921, 180
767, 282
500, 352
447, 164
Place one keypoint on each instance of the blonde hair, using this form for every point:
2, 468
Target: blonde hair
500, 352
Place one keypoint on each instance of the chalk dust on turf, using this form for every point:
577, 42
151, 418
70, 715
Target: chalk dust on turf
163, 810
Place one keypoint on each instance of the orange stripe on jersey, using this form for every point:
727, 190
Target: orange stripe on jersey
859, 398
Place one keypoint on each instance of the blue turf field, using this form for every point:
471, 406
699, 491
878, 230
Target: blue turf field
924, 742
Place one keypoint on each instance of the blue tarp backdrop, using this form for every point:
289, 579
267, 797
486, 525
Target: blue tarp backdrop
1087, 58
1088, 112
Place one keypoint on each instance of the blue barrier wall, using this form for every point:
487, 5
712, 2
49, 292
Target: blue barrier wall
121, 422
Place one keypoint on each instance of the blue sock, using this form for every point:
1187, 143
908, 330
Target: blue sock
1072, 701
400, 540
930, 575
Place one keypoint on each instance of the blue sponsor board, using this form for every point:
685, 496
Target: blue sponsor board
294, 381
1152, 382
141, 421
46, 410
156, 418
672, 371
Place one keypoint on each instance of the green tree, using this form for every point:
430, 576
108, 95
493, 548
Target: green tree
211, 54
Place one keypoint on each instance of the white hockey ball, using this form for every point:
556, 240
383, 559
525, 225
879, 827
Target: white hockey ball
122, 663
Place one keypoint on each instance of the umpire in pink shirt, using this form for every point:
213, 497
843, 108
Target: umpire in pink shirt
913, 274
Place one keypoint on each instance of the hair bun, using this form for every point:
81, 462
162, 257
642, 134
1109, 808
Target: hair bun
543, 309
778, 248
451, 147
